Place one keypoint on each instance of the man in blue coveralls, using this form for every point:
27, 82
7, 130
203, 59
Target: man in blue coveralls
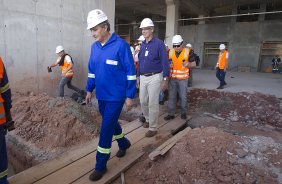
111, 71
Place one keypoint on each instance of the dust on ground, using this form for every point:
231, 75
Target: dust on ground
237, 139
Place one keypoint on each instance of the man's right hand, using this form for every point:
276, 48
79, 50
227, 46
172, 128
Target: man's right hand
88, 97
138, 82
8, 116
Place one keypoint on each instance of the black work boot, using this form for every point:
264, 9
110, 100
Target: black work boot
96, 175
183, 116
142, 119
169, 117
121, 153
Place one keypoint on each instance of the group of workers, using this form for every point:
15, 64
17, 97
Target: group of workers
114, 71
150, 67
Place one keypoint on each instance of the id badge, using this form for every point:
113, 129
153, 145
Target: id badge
146, 53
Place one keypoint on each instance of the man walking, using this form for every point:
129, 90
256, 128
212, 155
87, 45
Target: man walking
5, 120
153, 72
182, 59
221, 65
112, 72
66, 63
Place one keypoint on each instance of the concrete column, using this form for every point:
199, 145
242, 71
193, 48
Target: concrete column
234, 12
171, 20
201, 21
262, 9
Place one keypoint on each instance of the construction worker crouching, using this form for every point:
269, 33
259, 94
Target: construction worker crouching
112, 72
182, 60
66, 63
5, 121
221, 65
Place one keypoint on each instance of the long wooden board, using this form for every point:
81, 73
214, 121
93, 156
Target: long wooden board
77, 169
44, 169
116, 165
162, 149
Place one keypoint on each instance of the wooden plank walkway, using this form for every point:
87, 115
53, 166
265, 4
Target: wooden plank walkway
75, 166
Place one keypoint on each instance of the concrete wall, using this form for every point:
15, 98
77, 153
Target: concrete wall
244, 39
30, 30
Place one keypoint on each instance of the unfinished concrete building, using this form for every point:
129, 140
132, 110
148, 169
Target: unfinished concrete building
231, 135
250, 28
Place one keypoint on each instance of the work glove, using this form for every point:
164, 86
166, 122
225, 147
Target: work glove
10, 124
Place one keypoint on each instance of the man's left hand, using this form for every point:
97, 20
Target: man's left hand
164, 85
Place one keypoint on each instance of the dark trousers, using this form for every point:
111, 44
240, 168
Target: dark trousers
110, 112
3, 157
67, 81
220, 74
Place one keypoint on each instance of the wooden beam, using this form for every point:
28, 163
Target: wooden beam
162, 149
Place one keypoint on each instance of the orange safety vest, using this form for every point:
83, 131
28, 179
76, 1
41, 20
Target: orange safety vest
70, 72
222, 60
2, 110
178, 71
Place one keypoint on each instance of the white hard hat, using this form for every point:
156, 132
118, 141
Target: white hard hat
59, 49
189, 45
221, 46
177, 39
141, 38
147, 22
95, 17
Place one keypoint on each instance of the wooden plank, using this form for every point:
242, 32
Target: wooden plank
184, 124
122, 178
44, 169
116, 165
162, 149
175, 139
82, 166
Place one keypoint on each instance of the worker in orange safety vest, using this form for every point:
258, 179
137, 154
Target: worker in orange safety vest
6, 123
182, 60
65, 61
221, 65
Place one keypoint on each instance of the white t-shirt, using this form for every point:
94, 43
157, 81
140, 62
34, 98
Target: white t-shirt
68, 59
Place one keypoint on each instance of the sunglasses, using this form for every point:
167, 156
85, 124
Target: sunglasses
174, 46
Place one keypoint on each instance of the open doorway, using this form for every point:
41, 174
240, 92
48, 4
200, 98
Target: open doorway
268, 51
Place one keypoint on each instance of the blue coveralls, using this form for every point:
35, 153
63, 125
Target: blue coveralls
111, 71
6, 95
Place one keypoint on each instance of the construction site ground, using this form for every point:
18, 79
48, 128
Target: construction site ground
235, 137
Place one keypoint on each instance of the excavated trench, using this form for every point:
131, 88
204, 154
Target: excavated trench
46, 127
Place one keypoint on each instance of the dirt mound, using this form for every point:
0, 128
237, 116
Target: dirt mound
252, 108
206, 155
46, 127
51, 122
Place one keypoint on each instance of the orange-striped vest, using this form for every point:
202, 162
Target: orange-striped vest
222, 60
70, 73
2, 110
178, 71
